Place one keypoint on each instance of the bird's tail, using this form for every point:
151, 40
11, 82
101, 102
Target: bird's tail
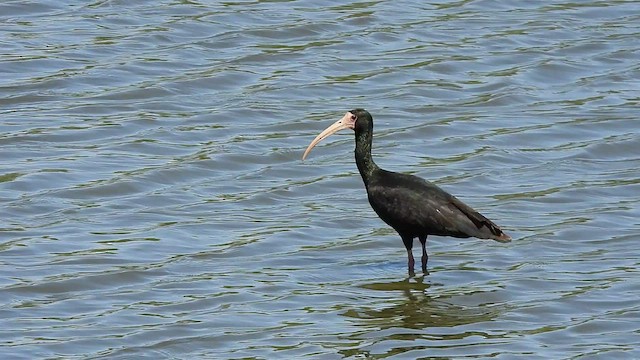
486, 229
502, 237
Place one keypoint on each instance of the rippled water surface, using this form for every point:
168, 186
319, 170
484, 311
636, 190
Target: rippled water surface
154, 204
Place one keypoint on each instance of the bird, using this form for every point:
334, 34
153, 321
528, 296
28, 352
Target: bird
412, 206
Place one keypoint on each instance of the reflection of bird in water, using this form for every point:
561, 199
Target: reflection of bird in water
439, 319
415, 208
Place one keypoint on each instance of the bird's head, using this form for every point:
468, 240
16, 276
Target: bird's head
357, 120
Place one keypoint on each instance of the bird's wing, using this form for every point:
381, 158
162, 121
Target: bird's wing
482, 223
428, 209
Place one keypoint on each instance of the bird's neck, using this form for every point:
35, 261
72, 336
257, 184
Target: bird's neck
365, 163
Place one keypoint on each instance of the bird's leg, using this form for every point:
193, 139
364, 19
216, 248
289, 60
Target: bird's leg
425, 257
411, 262
408, 243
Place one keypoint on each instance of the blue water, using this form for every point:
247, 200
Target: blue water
155, 205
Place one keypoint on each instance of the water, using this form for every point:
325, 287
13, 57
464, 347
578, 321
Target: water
154, 204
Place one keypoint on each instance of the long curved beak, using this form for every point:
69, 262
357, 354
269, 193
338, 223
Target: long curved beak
347, 122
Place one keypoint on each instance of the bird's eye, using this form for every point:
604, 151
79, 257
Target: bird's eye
353, 117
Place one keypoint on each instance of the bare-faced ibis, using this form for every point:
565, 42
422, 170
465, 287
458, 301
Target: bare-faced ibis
414, 207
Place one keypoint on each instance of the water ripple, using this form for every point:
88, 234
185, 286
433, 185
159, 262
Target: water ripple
155, 204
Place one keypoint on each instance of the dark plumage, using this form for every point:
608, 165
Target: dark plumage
414, 207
